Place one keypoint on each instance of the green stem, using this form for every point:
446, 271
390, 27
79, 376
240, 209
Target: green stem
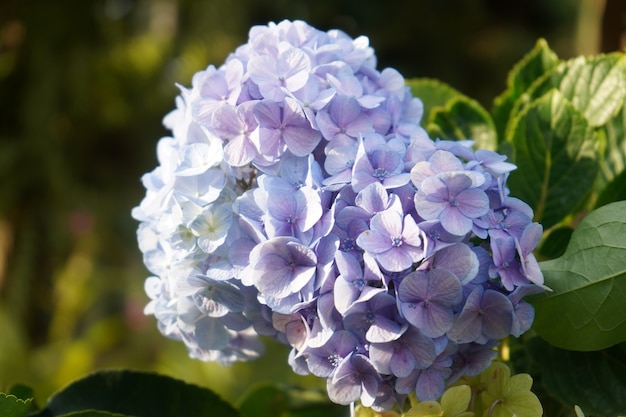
493, 407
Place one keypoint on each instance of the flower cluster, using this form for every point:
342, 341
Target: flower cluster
299, 198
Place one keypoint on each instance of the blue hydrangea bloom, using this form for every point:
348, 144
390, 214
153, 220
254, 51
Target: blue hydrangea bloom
299, 198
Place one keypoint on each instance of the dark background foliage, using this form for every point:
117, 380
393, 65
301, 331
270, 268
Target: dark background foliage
84, 85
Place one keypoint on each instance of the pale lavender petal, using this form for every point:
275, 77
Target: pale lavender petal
302, 140
454, 221
395, 259
225, 122
473, 202
373, 198
411, 233
374, 242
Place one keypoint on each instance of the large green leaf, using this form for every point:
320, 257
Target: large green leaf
270, 400
555, 152
532, 66
137, 394
611, 184
595, 381
94, 413
11, 406
596, 86
463, 118
586, 309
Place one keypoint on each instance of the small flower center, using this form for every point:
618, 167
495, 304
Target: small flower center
433, 234
334, 359
347, 244
396, 241
380, 173
359, 284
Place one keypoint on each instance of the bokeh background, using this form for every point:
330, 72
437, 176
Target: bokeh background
84, 85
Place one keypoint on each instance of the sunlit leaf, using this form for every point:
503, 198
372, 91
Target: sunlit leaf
595, 381
554, 149
596, 86
11, 406
533, 65
138, 394
585, 310
612, 179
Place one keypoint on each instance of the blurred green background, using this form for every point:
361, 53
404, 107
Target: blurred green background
84, 85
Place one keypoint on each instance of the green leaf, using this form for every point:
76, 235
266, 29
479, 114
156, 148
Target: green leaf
360, 411
532, 66
463, 118
508, 396
614, 191
433, 93
456, 400
554, 149
270, 400
138, 394
585, 310
22, 392
596, 86
611, 184
555, 243
595, 381
11, 406
425, 409
93, 413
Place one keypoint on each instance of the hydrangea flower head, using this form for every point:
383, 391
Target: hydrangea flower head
299, 198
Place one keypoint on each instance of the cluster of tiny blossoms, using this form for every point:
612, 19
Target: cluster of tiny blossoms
299, 198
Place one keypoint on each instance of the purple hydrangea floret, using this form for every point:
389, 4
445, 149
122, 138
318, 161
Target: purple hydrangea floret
299, 198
